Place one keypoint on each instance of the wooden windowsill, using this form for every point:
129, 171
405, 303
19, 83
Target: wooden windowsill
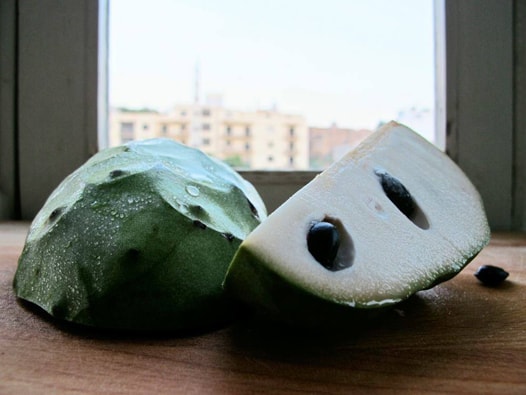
458, 337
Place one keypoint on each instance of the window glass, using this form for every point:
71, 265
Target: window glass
313, 77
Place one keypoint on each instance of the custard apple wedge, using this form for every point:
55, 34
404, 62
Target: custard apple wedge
393, 217
139, 237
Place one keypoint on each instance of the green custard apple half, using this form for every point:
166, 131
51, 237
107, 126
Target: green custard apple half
139, 237
393, 217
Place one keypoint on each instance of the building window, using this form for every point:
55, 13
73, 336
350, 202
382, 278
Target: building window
247, 147
228, 130
206, 126
164, 129
127, 132
145, 126
206, 141
291, 131
247, 131
270, 158
127, 127
206, 112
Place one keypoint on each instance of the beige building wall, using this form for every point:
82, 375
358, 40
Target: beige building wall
126, 126
256, 140
327, 145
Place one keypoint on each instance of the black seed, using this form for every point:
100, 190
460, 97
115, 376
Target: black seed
55, 213
116, 173
491, 275
228, 236
199, 224
323, 242
397, 193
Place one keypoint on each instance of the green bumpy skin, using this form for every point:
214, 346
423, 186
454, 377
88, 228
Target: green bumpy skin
139, 237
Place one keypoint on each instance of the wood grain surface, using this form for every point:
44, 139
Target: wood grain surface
460, 337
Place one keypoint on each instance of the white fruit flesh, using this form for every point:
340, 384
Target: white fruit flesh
393, 256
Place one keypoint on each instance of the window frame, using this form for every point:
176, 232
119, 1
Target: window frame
56, 72
480, 133
475, 91
9, 189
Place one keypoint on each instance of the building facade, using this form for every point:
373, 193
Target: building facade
245, 139
327, 145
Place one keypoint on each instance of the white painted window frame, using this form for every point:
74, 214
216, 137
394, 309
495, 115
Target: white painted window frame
53, 96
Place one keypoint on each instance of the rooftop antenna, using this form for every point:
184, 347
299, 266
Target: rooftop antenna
196, 83
195, 131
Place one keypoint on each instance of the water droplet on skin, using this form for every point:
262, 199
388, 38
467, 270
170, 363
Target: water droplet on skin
192, 190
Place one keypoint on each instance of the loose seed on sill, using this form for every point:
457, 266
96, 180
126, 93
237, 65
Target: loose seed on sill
491, 275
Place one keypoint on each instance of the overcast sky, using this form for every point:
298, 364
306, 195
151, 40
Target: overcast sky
353, 62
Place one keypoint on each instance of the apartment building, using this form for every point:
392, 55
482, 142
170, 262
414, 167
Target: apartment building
246, 139
327, 145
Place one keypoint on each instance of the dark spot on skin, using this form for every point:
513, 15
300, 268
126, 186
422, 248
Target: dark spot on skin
116, 173
56, 213
132, 255
59, 310
198, 211
253, 209
199, 224
228, 236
